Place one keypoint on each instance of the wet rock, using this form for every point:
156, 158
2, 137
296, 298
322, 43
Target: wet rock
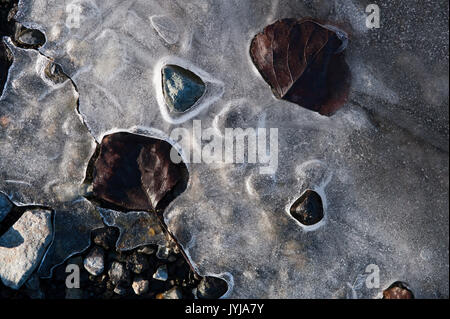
211, 288
105, 237
303, 62
140, 286
161, 273
181, 88
398, 290
118, 273
94, 262
308, 209
135, 172
174, 293
137, 263
23, 246
163, 252
5, 206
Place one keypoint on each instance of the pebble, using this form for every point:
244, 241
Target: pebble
398, 290
147, 250
137, 263
161, 273
163, 252
174, 293
117, 273
140, 286
94, 262
181, 87
308, 209
23, 246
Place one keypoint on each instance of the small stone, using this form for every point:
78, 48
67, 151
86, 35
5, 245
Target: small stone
94, 262
181, 88
161, 273
137, 263
308, 209
117, 273
147, 250
163, 252
211, 288
23, 246
140, 286
174, 293
398, 290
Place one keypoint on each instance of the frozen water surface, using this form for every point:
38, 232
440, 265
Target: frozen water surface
380, 163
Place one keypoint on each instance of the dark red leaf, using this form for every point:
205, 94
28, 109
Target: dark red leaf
303, 62
135, 172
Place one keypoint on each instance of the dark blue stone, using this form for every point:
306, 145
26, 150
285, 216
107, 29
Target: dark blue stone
181, 87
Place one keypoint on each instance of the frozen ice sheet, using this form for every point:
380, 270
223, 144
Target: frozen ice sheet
380, 163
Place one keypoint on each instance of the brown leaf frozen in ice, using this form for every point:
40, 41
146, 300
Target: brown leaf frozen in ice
135, 172
303, 62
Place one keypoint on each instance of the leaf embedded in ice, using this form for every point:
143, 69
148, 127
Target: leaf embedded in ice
303, 62
135, 172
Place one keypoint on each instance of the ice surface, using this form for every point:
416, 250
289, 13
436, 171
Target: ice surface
45, 149
380, 163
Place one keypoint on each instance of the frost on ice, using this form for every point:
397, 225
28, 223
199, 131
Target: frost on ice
379, 164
